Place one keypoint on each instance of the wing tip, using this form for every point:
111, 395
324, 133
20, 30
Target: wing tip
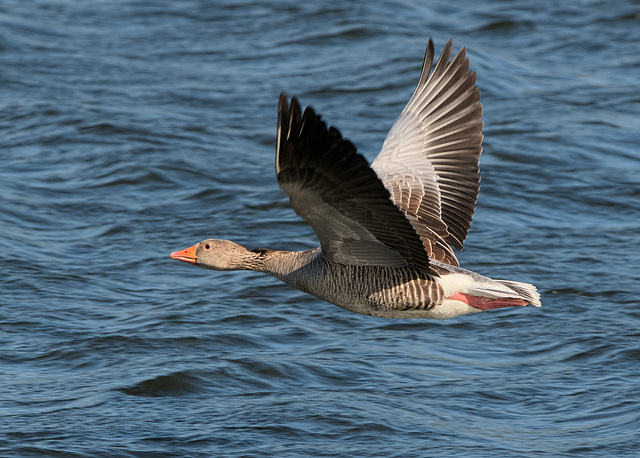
427, 63
289, 120
287, 111
283, 116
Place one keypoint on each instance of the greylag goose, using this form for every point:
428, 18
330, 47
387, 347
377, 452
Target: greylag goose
386, 230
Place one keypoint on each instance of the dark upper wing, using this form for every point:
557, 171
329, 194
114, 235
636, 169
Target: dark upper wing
333, 188
429, 160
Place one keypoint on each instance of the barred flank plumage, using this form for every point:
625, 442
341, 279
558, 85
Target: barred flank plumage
371, 290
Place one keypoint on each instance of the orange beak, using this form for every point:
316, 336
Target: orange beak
187, 255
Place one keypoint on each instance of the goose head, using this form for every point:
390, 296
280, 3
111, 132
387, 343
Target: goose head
215, 254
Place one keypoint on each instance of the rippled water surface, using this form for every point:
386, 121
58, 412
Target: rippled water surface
129, 129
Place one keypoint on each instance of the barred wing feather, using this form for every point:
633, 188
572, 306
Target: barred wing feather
429, 160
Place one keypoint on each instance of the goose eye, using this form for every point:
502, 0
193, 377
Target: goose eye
207, 246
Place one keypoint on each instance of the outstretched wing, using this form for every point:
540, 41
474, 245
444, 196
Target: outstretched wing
429, 160
333, 188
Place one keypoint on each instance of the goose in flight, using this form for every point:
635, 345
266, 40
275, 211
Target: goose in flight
386, 230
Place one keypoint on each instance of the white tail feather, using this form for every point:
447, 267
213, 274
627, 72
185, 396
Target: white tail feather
505, 288
468, 282
527, 291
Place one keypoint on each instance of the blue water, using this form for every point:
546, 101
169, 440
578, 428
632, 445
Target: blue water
129, 129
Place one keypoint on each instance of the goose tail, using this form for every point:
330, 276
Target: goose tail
485, 293
526, 291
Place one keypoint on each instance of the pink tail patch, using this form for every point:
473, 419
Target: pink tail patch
486, 303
